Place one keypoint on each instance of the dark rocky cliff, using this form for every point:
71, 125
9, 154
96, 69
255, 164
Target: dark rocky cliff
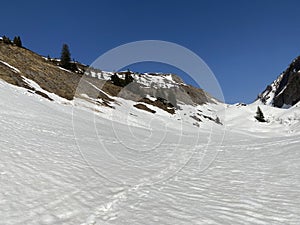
285, 90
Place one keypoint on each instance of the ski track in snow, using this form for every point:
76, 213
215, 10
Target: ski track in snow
44, 179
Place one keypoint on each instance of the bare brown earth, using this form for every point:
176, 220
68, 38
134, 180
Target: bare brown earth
144, 107
32, 66
67, 84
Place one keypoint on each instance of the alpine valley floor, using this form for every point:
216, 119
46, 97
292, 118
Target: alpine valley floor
62, 164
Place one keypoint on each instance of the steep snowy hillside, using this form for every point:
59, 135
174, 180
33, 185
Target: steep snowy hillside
151, 92
71, 162
284, 92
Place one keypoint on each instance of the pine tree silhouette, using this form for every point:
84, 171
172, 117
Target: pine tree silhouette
65, 58
6, 40
259, 115
17, 41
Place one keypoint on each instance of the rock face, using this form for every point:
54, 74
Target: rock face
160, 90
285, 90
164, 91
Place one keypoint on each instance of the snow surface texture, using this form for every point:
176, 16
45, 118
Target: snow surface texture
71, 163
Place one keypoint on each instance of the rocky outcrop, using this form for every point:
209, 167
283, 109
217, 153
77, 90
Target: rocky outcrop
285, 90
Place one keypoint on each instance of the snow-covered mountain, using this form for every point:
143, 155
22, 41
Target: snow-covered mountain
89, 151
284, 92
151, 92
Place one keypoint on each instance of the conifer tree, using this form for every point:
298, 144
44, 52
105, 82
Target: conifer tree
218, 121
17, 41
115, 79
128, 78
65, 58
6, 40
259, 115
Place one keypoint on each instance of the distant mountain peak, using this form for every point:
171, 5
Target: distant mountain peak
284, 92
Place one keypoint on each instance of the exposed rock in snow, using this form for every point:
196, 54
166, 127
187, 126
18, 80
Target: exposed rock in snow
285, 90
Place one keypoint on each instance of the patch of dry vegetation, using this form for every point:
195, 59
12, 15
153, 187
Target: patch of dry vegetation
33, 66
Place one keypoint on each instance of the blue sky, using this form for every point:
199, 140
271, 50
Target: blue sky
246, 43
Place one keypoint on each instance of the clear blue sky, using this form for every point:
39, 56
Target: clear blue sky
246, 43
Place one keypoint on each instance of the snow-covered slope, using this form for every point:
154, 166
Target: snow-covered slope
151, 92
72, 162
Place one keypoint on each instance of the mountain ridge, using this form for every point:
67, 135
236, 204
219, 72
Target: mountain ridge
284, 92
19, 66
